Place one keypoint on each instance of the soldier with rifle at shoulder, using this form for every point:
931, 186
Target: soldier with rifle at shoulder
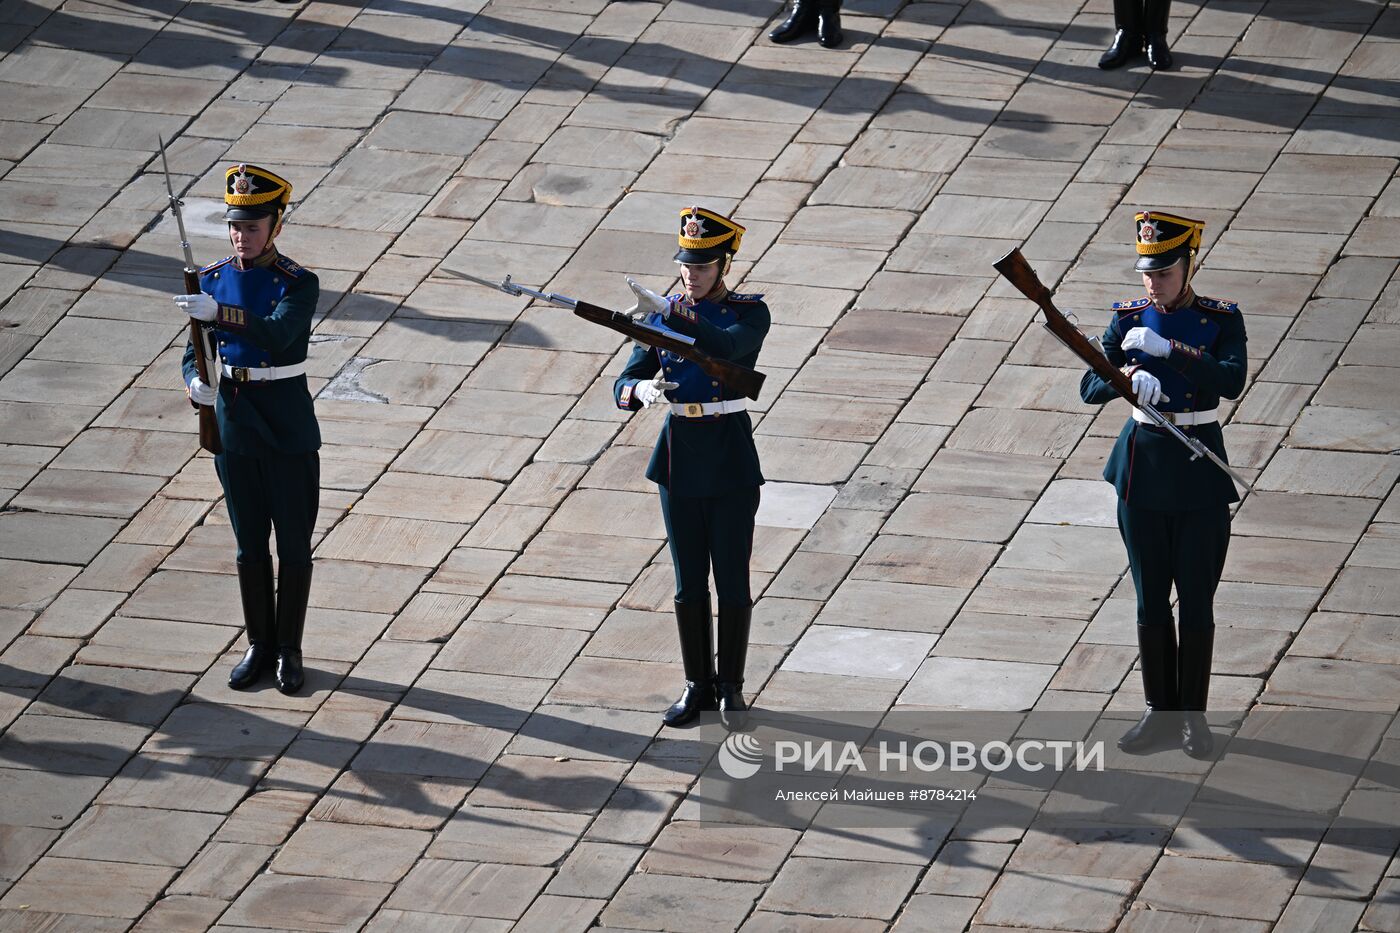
260, 305
1183, 353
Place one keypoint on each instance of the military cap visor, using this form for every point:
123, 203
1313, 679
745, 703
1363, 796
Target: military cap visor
1163, 240
250, 213
688, 257
706, 237
251, 192
1161, 261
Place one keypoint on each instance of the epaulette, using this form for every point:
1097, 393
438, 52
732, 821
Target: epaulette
735, 296
1133, 305
214, 265
1217, 304
286, 265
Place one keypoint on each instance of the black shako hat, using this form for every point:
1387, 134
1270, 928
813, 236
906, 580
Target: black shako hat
1163, 240
251, 192
706, 237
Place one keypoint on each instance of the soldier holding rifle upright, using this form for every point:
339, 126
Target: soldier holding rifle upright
260, 305
1183, 353
705, 463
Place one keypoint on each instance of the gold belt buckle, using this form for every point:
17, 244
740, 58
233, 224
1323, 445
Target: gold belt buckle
694, 410
240, 374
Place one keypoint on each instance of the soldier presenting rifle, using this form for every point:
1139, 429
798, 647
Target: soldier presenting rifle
260, 305
1183, 354
705, 463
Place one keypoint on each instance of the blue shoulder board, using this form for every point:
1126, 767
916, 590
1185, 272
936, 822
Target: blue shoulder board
735, 296
290, 268
1131, 305
214, 265
1217, 304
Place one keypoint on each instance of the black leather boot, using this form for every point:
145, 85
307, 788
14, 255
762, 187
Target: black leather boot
293, 590
1160, 725
255, 587
693, 624
829, 23
1159, 56
1155, 15
733, 649
799, 22
1127, 40
1197, 645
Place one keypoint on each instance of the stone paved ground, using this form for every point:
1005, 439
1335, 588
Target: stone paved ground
478, 748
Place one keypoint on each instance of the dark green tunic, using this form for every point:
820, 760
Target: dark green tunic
707, 468
1173, 512
270, 469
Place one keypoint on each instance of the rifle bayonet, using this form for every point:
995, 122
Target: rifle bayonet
175, 205
511, 288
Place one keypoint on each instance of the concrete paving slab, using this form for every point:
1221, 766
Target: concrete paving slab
961, 683
704, 904
828, 649
1213, 881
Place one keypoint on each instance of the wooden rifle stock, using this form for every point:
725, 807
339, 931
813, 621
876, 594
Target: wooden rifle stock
1018, 272
208, 423
745, 380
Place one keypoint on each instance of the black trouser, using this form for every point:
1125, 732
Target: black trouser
711, 531
1142, 17
1185, 548
281, 491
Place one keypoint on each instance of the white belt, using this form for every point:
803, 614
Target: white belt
263, 373
1180, 419
701, 409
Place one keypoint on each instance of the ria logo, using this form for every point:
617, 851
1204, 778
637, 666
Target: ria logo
740, 756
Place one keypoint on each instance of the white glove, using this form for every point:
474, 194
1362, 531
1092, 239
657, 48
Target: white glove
648, 302
200, 393
201, 307
1148, 387
1148, 341
653, 389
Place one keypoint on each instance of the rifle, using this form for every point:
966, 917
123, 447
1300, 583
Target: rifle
208, 424
1018, 272
748, 381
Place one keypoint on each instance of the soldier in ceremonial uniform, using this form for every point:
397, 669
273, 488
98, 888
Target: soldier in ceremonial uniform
260, 304
1184, 353
705, 463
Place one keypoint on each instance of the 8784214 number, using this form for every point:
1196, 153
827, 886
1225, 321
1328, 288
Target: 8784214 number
941, 793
